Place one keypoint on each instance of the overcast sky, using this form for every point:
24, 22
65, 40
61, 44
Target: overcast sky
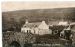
12, 6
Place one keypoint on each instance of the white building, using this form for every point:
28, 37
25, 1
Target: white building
72, 26
64, 23
44, 28
40, 28
27, 27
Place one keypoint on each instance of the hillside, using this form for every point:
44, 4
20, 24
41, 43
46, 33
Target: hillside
17, 18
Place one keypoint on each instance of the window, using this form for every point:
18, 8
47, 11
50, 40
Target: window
27, 31
55, 32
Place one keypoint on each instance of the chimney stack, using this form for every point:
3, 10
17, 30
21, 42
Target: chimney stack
26, 21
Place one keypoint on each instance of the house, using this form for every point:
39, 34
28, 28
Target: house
67, 33
72, 26
64, 23
28, 27
40, 28
44, 28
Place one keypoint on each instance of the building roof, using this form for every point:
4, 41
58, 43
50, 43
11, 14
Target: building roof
73, 23
40, 25
43, 25
31, 25
63, 23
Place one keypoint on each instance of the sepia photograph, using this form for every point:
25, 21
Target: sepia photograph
38, 24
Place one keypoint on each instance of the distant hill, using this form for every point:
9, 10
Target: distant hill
17, 18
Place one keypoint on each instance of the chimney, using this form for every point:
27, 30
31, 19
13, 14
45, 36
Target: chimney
26, 21
43, 21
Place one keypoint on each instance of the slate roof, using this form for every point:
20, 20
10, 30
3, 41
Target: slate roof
32, 25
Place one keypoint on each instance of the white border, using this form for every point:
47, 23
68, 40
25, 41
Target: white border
18, 1
37, 0
0, 26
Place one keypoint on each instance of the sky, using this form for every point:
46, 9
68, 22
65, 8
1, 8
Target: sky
12, 6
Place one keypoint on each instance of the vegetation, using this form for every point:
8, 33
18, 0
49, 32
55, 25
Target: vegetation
15, 19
